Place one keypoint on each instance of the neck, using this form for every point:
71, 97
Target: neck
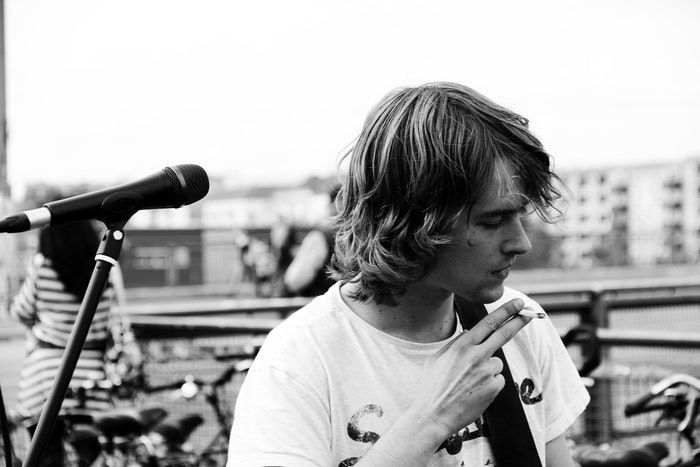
419, 316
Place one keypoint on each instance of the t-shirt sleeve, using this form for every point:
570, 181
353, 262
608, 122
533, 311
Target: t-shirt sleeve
565, 395
279, 421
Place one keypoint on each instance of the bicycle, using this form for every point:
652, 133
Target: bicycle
168, 441
190, 388
145, 435
90, 438
677, 397
667, 396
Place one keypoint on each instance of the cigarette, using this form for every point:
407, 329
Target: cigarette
528, 312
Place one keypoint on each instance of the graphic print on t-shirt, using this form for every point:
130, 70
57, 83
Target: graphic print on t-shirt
529, 395
452, 445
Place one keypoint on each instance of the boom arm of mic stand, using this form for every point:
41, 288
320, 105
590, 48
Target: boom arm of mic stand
107, 256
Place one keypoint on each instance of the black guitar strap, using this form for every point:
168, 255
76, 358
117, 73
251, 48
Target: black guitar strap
509, 432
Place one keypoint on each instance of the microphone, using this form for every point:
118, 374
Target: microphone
172, 187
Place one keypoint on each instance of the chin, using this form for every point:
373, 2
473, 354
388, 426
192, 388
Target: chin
494, 295
486, 294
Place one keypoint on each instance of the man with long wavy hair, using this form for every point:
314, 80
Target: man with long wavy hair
382, 370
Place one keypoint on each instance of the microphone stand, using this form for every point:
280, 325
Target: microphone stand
106, 257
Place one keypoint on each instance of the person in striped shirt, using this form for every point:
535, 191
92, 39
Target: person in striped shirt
47, 304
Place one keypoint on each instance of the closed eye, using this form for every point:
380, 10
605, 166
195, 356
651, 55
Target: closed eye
492, 224
496, 219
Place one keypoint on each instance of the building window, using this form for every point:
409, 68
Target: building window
673, 184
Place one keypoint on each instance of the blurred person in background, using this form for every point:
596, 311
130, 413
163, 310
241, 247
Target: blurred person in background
307, 274
47, 304
242, 271
418, 355
261, 260
282, 246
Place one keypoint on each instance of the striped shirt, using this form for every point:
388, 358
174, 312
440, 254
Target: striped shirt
49, 312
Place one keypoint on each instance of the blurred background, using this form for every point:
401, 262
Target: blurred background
267, 96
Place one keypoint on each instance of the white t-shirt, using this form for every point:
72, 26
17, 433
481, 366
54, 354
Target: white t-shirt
326, 385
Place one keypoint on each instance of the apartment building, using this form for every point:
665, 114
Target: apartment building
637, 215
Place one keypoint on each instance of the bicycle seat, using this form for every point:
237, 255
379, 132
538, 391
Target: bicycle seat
647, 455
176, 432
124, 422
78, 416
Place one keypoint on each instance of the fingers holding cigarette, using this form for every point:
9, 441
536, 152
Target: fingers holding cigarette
500, 326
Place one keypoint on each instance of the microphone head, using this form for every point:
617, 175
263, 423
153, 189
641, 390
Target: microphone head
191, 180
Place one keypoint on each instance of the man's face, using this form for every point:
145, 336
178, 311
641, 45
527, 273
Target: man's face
487, 240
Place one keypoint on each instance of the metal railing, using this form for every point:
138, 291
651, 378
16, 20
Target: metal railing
591, 306
599, 306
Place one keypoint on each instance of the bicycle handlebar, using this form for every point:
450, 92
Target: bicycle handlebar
673, 404
638, 406
586, 335
641, 404
223, 378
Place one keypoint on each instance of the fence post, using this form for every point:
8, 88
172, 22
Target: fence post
598, 420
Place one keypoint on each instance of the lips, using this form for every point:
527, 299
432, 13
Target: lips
504, 266
502, 273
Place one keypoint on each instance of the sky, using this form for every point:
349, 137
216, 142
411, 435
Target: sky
274, 91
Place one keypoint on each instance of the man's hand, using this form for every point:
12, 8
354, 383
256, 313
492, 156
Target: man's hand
458, 384
462, 380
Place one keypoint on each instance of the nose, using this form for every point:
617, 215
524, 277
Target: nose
517, 241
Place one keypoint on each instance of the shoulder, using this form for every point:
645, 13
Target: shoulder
298, 348
314, 315
301, 335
